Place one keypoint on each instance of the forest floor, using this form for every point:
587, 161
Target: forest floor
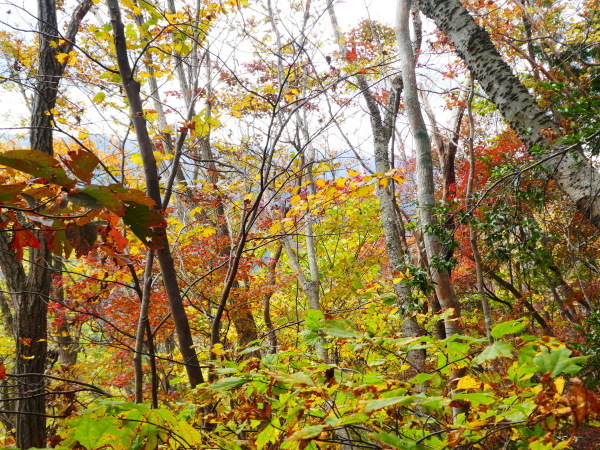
588, 438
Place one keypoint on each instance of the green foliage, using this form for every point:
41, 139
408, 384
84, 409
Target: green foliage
291, 402
124, 425
591, 348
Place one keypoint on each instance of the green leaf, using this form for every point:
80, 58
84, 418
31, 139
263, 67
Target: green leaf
391, 440
558, 361
388, 299
105, 197
38, 164
267, 436
99, 97
311, 337
510, 327
498, 349
9, 193
475, 398
341, 328
379, 403
227, 383
313, 319
85, 200
140, 219
295, 379
102, 432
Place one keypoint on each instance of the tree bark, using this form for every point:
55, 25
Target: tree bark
425, 183
383, 128
164, 256
30, 289
572, 171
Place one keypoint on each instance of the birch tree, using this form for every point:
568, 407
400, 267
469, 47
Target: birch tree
566, 164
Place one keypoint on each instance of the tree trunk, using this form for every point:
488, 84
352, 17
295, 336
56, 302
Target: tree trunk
425, 183
382, 132
485, 305
571, 170
31, 289
164, 256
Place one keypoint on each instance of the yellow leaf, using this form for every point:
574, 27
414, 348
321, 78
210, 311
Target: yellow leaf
559, 383
352, 173
275, 228
217, 349
364, 191
207, 232
27, 357
82, 135
99, 97
295, 200
341, 182
136, 158
468, 382
62, 57
320, 182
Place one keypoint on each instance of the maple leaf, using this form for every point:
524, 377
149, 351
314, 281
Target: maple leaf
23, 238
351, 54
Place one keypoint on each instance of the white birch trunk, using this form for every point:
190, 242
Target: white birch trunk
571, 170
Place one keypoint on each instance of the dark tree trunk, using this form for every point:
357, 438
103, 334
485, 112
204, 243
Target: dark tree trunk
163, 254
31, 288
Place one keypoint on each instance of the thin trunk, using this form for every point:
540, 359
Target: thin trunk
311, 284
271, 280
383, 129
309, 287
425, 183
164, 256
485, 304
141, 329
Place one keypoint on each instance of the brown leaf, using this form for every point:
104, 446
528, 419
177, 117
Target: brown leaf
583, 403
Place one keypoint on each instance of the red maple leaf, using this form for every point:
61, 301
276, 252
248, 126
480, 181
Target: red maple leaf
22, 238
351, 54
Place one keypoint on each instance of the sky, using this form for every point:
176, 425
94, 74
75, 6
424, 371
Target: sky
21, 14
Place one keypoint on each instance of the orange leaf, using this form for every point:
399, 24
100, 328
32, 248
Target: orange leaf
23, 238
2, 371
351, 54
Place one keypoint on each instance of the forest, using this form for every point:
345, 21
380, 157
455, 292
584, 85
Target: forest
286, 224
